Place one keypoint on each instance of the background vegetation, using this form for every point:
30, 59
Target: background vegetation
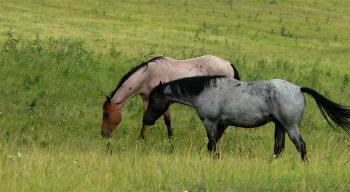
59, 58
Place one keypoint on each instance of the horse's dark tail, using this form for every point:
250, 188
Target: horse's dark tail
236, 75
331, 111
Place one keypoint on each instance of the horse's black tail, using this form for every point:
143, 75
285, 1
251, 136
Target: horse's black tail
236, 74
331, 111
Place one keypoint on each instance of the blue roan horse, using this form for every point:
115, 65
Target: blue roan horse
221, 101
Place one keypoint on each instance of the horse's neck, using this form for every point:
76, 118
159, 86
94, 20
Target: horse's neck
122, 96
130, 88
179, 99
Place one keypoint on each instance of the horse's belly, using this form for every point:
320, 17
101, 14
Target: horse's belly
246, 118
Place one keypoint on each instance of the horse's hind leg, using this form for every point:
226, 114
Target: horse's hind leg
280, 134
167, 121
294, 135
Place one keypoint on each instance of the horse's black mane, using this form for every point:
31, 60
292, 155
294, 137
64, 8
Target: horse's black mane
192, 86
132, 71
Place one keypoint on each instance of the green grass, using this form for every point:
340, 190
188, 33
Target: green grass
59, 59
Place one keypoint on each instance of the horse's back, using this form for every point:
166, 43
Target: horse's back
204, 58
170, 69
204, 65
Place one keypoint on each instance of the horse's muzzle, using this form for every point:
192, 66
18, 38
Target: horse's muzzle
106, 134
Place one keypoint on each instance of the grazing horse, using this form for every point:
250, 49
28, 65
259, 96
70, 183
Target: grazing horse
143, 78
221, 101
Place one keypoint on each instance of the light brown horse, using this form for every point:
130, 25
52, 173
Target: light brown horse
143, 78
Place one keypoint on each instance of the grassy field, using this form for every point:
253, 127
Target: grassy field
59, 58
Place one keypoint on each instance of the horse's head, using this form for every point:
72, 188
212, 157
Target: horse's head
111, 118
157, 106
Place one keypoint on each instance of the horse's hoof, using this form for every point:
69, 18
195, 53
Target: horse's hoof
215, 155
305, 160
141, 137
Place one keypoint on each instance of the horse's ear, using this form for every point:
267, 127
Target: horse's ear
160, 83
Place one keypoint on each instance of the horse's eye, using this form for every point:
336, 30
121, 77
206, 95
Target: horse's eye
105, 115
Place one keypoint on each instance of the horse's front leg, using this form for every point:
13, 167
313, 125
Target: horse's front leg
220, 132
167, 121
211, 128
143, 128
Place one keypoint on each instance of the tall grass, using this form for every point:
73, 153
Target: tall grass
52, 93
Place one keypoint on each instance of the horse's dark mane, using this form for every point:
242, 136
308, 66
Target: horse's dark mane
192, 86
132, 71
